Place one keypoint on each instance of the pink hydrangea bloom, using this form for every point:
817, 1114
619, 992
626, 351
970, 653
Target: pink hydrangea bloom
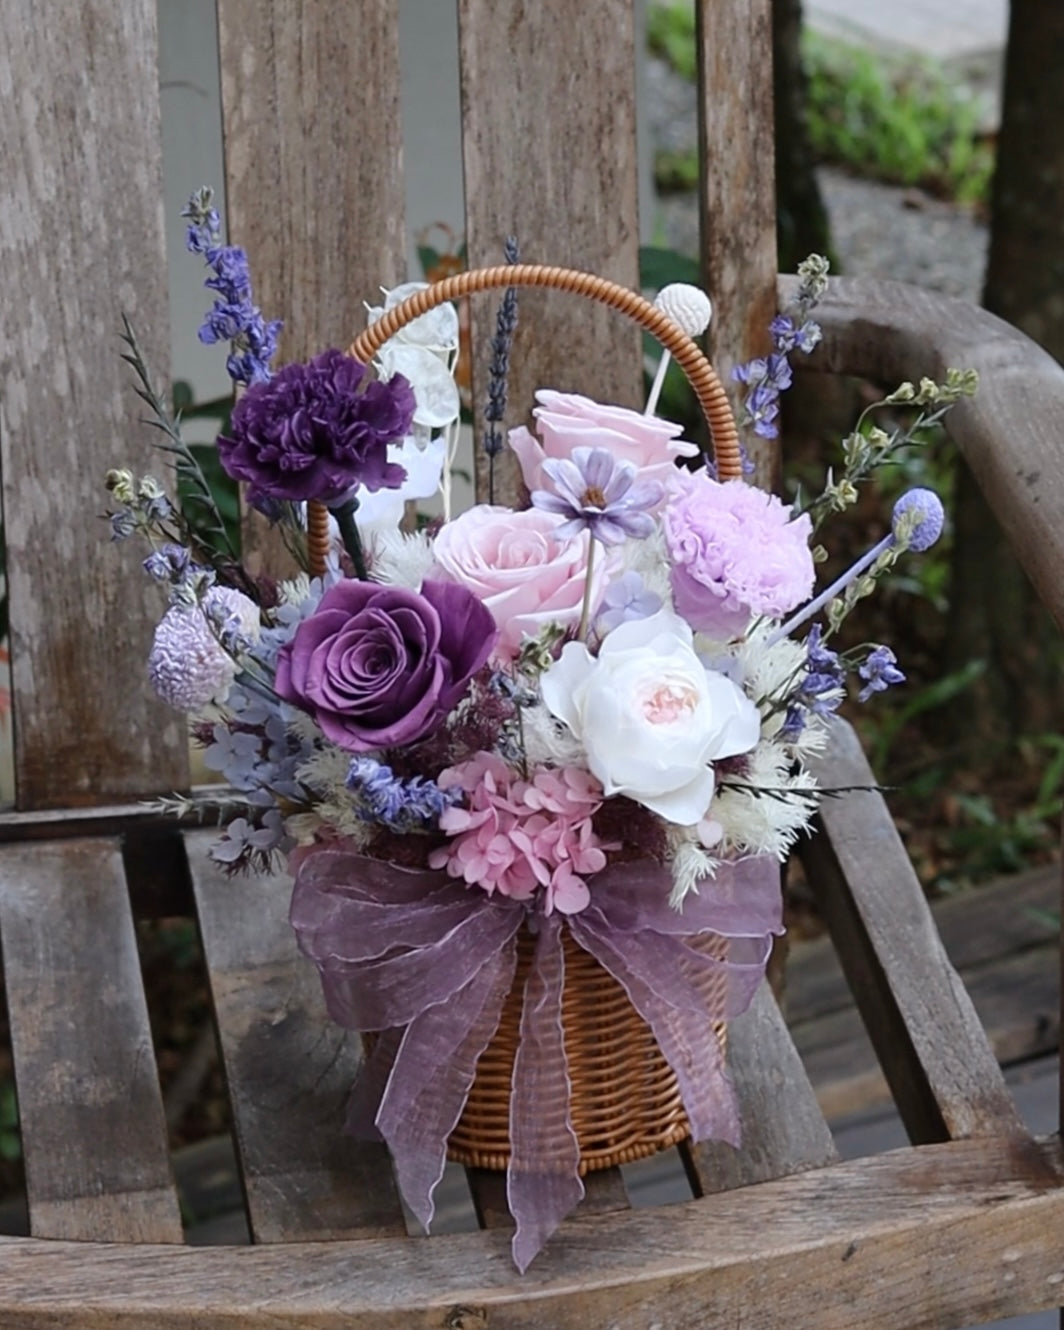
735, 553
518, 835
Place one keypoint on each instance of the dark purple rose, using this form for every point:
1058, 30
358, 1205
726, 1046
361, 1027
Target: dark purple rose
379, 666
309, 433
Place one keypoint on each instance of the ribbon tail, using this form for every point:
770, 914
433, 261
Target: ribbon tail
432, 1075
543, 1180
368, 1089
686, 1037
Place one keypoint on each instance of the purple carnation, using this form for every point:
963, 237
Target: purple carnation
309, 433
735, 553
381, 666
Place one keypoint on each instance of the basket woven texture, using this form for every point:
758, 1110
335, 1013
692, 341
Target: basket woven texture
624, 1100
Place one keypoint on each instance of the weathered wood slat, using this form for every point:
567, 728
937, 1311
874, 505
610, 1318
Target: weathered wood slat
784, 1130
982, 928
604, 1192
889, 331
934, 1054
288, 1068
314, 182
548, 107
1016, 1000
93, 1131
738, 188
923, 1239
81, 242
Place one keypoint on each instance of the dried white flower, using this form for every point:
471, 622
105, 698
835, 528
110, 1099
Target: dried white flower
400, 559
763, 811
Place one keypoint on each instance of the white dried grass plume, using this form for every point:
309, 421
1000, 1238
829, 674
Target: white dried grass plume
400, 559
691, 863
325, 771
341, 818
548, 742
767, 817
769, 673
813, 739
303, 727
295, 590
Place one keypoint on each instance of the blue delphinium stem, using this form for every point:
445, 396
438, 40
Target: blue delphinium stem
233, 317
501, 344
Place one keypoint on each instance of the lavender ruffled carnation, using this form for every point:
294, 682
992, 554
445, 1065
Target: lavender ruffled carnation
735, 553
314, 432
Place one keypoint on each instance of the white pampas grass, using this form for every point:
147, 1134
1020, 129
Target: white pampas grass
774, 804
400, 559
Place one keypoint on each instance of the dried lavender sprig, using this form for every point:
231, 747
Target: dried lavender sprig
501, 344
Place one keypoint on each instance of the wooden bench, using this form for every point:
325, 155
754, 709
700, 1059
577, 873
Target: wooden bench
961, 1227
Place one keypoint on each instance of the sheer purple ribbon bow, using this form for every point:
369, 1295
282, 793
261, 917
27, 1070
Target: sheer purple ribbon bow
426, 962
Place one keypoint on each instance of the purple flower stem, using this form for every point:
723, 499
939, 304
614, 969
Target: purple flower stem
345, 520
839, 584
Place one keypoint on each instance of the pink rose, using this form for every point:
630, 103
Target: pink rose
514, 564
566, 421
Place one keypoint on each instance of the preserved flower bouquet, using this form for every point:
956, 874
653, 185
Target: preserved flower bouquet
493, 744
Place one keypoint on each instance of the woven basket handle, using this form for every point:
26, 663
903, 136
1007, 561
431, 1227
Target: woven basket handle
701, 375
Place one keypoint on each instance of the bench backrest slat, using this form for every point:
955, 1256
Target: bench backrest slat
81, 240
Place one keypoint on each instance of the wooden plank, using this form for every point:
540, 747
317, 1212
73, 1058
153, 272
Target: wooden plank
738, 189
981, 927
932, 1048
604, 1192
93, 1131
946, 1235
889, 331
314, 183
783, 1129
548, 108
288, 1068
1016, 1000
81, 242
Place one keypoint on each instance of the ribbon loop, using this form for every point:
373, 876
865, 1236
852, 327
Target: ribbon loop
429, 963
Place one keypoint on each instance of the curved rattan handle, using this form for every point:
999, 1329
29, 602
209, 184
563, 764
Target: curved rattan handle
701, 375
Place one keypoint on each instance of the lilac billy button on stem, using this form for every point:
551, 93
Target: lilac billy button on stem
917, 522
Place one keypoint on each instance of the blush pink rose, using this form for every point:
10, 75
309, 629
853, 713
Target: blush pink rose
516, 566
565, 421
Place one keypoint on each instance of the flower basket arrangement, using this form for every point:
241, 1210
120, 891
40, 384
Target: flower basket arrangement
533, 770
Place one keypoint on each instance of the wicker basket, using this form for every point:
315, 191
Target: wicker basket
624, 1098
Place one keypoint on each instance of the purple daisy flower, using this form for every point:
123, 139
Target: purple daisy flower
597, 493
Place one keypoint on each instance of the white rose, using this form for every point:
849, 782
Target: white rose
651, 718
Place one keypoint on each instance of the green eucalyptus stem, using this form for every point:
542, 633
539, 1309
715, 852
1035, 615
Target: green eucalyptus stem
585, 610
345, 519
